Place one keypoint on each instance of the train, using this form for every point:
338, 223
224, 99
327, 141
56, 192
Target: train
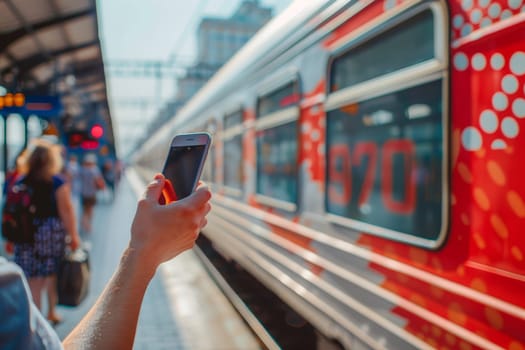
366, 168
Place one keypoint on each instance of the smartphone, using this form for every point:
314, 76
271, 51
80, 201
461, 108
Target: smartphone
184, 165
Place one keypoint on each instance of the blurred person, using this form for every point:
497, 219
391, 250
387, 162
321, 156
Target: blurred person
54, 219
108, 173
158, 234
119, 169
72, 172
92, 181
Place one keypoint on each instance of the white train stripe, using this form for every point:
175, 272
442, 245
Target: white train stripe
375, 258
353, 278
284, 279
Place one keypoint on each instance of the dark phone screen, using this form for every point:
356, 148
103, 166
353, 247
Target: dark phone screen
182, 167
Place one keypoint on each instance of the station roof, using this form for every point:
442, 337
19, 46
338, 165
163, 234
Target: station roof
52, 47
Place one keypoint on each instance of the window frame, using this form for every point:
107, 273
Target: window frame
274, 119
407, 77
228, 134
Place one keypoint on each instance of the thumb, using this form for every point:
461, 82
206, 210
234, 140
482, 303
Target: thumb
197, 198
154, 188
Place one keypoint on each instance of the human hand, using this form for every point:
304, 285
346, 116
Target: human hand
75, 242
161, 232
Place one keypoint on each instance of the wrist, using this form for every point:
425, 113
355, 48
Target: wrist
139, 262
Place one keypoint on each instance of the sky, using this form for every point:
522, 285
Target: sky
152, 30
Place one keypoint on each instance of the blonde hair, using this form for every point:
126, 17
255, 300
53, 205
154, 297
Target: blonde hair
43, 160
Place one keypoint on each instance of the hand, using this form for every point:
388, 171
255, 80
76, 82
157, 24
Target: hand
75, 242
161, 232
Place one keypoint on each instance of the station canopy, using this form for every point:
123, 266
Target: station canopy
52, 48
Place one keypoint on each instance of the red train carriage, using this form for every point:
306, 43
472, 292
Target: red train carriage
367, 168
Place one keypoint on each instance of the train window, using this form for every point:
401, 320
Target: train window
232, 119
384, 161
286, 96
276, 134
232, 138
385, 167
410, 43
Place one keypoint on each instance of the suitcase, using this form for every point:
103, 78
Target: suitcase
73, 278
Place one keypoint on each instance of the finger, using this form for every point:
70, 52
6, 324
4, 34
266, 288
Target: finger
154, 188
197, 199
203, 223
207, 208
201, 184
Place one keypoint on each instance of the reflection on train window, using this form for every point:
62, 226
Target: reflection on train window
232, 138
276, 128
384, 161
284, 97
277, 162
407, 44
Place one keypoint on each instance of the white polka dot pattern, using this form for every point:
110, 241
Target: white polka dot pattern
494, 10
515, 4
510, 127
471, 139
497, 61
518, 108
505, 14
477, 14
517, 63
457, 21
509, 84
479, 62
500, 101
503, 111
460, 61
467, 4
499, 144
488, 121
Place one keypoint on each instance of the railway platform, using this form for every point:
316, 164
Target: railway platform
182, 309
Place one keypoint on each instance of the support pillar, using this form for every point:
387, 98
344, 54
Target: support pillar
26, 131
5, 145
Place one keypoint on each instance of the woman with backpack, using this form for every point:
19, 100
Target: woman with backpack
11, 177
54, 220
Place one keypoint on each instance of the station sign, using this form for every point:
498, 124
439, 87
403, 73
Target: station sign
43, 106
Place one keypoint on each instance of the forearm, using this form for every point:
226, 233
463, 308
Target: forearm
111, 323
69, 221
67, 212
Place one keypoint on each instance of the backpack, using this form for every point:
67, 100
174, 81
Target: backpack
18, 214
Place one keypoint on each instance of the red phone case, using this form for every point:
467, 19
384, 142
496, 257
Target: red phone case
168, 193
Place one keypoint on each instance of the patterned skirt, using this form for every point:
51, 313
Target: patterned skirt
42, 257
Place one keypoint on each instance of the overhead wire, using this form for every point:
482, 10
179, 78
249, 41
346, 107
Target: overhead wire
196, 14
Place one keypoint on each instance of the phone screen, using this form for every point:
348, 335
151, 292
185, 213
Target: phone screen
182, 167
